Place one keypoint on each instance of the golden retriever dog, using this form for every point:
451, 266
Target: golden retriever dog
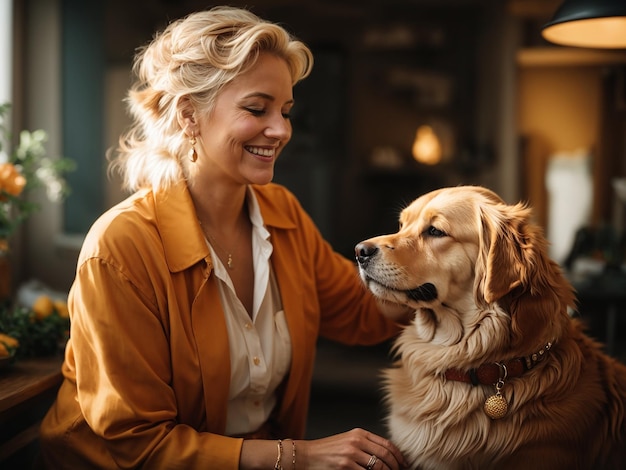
492, 372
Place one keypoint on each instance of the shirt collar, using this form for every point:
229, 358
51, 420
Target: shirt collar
182, 237
255, 214
183, 241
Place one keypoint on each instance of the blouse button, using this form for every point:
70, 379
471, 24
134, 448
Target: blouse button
248, 325
256, 360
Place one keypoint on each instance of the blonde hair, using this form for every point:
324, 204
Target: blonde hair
194, 57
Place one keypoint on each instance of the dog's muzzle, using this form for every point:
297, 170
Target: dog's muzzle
365, 253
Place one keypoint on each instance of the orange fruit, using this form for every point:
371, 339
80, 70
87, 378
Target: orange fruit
61, 308
8, 344
43, 307
10, 341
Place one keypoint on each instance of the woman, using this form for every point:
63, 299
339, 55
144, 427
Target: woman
198, 301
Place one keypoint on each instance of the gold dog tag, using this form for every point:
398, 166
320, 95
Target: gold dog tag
496, 406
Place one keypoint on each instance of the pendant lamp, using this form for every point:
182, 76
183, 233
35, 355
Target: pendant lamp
588, 23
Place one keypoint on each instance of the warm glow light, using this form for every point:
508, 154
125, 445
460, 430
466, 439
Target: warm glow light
607, 33
427, 146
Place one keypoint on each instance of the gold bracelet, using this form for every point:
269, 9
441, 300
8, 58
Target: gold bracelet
279, 465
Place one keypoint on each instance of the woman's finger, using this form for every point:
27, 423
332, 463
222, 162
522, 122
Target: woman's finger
386, 453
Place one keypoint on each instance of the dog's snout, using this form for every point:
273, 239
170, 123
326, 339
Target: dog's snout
364, 251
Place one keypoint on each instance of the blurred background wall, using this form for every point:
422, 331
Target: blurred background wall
502, 102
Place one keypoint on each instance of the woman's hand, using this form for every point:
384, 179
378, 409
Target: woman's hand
399, 313
355, 449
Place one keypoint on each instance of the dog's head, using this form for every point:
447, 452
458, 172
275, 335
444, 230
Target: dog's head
462, 250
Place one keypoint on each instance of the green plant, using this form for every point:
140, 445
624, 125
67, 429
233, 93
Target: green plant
26, 168
37, 335
42, 328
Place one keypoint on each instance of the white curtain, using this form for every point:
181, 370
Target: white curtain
6, 50
570, 193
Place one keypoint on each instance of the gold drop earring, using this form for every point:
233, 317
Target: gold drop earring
193, 155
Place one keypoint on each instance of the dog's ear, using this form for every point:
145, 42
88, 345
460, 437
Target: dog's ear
502, 259
514, 260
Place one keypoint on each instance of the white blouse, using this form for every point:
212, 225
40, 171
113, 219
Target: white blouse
260, 348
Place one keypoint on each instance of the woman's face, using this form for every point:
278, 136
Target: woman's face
249, 126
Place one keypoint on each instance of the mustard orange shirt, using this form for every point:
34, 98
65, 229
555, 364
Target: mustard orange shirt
147, 367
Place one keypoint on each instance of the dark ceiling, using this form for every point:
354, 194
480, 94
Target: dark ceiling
130, 24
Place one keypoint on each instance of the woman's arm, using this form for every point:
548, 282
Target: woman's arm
128, 391
349, 450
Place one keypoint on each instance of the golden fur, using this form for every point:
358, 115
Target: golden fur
498, 297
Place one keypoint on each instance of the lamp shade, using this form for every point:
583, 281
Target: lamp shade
589, 23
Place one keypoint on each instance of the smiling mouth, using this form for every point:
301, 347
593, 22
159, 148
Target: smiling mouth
262, 152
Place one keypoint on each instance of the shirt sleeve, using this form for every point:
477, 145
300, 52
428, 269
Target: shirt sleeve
348, 311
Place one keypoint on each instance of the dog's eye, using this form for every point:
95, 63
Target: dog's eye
435, 232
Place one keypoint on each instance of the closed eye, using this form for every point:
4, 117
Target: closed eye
255, 112
263, 112
435, 232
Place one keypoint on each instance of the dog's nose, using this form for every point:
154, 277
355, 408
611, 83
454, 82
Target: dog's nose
364, 251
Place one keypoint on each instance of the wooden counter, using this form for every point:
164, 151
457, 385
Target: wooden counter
27, 389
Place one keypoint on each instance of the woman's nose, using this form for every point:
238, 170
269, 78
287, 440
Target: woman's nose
279, 128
